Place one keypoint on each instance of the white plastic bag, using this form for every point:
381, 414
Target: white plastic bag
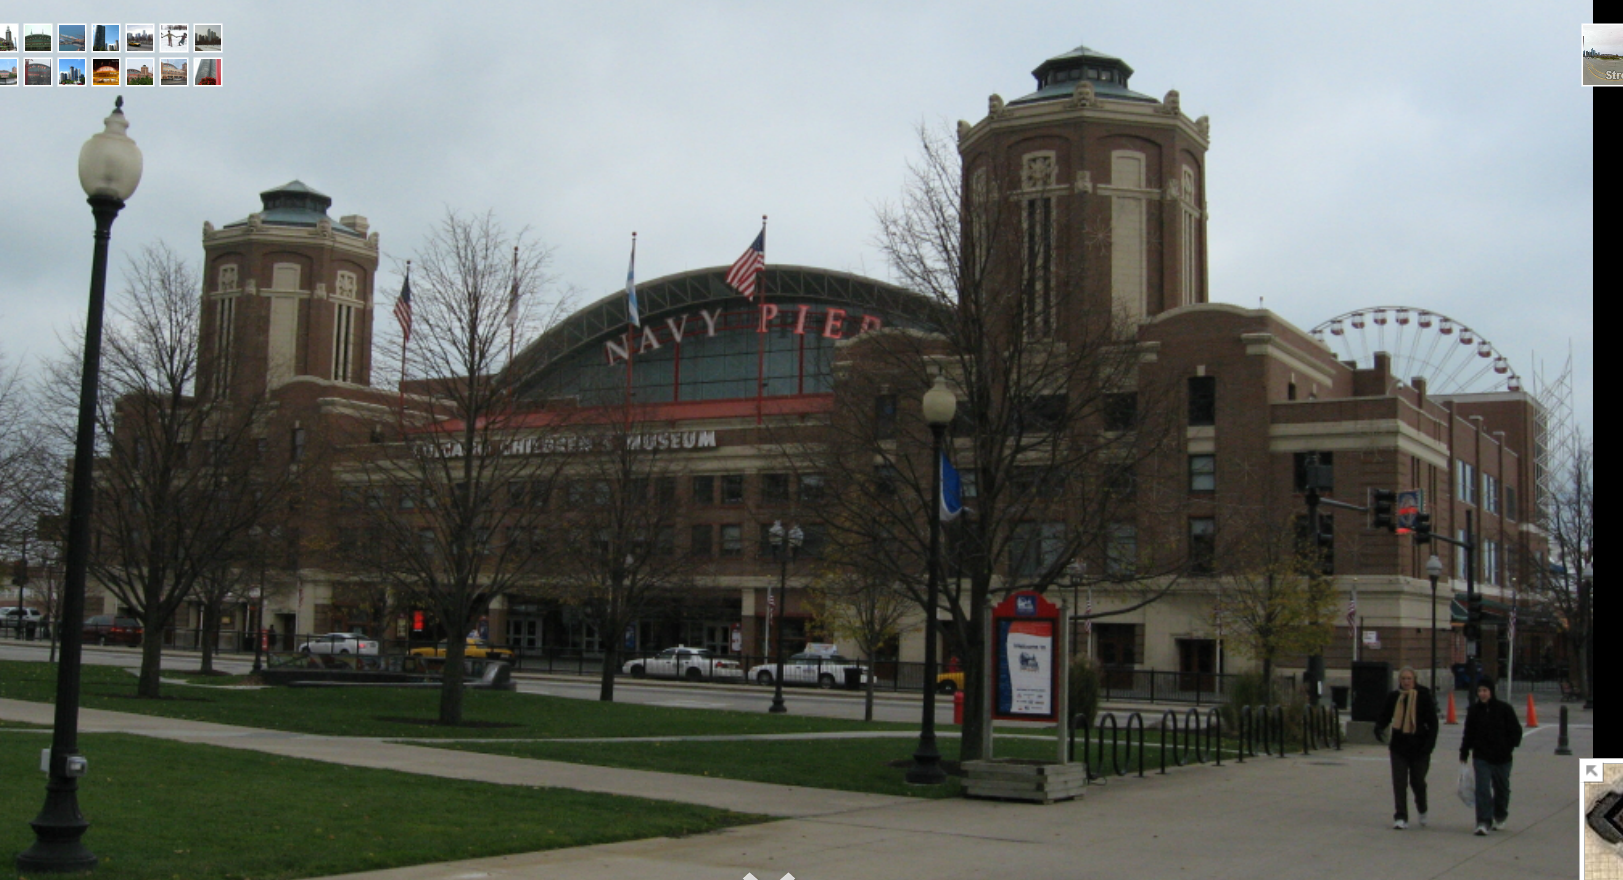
1467, 790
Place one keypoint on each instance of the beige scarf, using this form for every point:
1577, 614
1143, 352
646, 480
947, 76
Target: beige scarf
1403, 718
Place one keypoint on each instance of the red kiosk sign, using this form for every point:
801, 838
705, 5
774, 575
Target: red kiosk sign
1026, 653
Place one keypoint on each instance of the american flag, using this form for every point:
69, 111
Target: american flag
1513, 604
1352, 609
1087, 620
402, 307
742, 275
631, 286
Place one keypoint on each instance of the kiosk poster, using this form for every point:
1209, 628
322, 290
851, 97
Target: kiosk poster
1025, 667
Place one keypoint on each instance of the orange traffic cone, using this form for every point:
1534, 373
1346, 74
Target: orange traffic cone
1452, 719
1532, 714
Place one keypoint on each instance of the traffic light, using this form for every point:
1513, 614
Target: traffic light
1382, 503
1422, 528
19, 572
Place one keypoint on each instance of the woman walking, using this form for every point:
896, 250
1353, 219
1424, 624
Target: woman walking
1412, 714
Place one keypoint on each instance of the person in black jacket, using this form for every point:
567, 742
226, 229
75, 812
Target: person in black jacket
1412, 714
1491, 732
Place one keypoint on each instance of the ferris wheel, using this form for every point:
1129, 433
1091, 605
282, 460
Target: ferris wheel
1453, 358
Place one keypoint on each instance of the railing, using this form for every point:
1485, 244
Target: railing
1198, 736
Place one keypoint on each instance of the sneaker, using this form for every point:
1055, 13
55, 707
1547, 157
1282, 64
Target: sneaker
1499, 824
1422, 820
1400, 824
1482, 831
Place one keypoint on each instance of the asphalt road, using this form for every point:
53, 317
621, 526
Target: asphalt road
1602, 72
738, 698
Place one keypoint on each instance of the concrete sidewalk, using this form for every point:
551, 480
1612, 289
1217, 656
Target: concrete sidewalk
1323, 816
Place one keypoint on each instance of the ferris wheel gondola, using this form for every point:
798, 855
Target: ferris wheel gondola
1452, 357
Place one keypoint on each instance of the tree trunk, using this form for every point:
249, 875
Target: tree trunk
451, 680
973, 660
1267, 680
211, 632
611, 662
867, 702
151, 662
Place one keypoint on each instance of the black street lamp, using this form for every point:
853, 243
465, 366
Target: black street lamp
258, 535
796, 539
109, 171
940, 405
1434, 570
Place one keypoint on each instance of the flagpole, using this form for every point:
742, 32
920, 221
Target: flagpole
760, 335
404, 341
512, 309
633, 318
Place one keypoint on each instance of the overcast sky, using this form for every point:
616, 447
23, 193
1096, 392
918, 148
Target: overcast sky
1362, 155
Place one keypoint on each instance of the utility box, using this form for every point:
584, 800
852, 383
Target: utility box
1371, 682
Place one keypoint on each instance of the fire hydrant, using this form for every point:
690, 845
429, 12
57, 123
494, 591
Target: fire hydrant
958, 707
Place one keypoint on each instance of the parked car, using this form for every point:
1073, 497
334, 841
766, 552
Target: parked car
691, 664
14, 617
476, 649
106, 629
339, 643
822, 670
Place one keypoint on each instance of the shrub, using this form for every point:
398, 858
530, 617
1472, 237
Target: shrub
1085, 688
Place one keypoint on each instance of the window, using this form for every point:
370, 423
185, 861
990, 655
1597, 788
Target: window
637, 489
1202, 473
704, 490
1465, 488
1042, 415
343, 342
1121, 554
885, 479
1036, 482
699, 541
1511, 511
374, 498
774, 487
1490, 562
298, 444
349, 498
1326, 472
1202, 400
765, 549
732, 489
811, 487
884, 416
665, 541
665, 491
732, 540
1202, 545
1490, 493
1035, 548
1037, 294
518, 494
1121, 411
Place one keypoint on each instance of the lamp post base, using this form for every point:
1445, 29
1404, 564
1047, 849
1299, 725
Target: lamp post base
778, 708
58, 830
926, 769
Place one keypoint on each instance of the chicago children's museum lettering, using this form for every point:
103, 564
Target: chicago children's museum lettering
543, 445
831, 323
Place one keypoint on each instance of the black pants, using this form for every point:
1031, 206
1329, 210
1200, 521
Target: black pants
1408, 772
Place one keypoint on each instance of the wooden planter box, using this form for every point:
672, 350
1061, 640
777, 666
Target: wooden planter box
1023, 780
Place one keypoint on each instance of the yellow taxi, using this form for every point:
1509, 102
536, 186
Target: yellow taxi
477, 649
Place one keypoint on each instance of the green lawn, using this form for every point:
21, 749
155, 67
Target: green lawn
405, 712
161, 809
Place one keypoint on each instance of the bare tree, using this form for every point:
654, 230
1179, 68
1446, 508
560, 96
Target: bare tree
1055, 434
1273, 597
1563, 587
860, 601
178, 476
611, 550
474, 288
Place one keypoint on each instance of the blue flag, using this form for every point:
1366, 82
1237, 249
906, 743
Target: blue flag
952, 503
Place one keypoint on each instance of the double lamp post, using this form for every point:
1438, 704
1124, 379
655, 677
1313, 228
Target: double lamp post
109, 171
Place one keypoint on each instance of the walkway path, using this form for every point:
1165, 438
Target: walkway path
1324, 816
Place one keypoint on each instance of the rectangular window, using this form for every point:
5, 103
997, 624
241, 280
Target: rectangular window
811, 488
298, 444
349, 498
699, 541
1121, 411
1202, 400
1202, 545
518, 494
884, 412
1490, 562
1511, 511
1202, 473
885, 479
732, 489
408, 498
665, 491
1323, 476
1042, 415
1465, 488
665, 541
1121, 554
732, 540
1490, 493
774, 488
704, 491
1035, 548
